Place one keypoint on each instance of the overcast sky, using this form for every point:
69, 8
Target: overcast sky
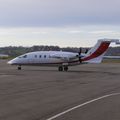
58, 22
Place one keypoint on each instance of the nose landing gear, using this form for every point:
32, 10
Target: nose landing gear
19, 67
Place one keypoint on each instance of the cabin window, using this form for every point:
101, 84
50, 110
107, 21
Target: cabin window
35, 56
40, 56
44, 56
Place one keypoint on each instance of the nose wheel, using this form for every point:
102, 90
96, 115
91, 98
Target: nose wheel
19, 67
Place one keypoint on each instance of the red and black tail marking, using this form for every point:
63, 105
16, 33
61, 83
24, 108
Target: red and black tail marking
100, 50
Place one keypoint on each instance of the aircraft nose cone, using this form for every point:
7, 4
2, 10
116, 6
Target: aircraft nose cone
10, 62
13, 61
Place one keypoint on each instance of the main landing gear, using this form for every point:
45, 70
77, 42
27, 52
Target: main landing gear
61, 68
19, 67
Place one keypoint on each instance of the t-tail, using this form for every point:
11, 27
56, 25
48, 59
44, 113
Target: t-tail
96, 54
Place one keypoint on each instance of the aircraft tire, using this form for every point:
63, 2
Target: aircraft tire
19, 67
65, 68
60, 68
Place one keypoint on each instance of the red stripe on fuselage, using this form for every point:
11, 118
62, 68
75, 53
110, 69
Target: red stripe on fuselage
102, 48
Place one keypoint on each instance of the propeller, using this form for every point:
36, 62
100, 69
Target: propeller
80, 51
86, 51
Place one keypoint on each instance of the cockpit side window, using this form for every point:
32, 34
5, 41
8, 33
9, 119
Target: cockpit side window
24, 56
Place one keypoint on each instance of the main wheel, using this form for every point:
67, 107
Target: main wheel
60, 68
65, 68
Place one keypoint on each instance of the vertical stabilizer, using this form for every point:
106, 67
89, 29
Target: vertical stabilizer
95, 54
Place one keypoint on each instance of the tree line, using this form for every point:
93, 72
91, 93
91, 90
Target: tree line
14, 51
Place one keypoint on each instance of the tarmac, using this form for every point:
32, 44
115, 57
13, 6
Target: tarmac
85, 92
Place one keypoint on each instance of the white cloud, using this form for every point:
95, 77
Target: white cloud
39, 32
105, 32
102, 32
66, 36
75, 31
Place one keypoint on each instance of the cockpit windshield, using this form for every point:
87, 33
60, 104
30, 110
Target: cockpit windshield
23, 56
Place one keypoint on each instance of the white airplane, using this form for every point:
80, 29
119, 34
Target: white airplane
62, 59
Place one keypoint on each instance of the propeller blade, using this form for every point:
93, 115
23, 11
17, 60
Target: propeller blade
86, 51
80, 51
